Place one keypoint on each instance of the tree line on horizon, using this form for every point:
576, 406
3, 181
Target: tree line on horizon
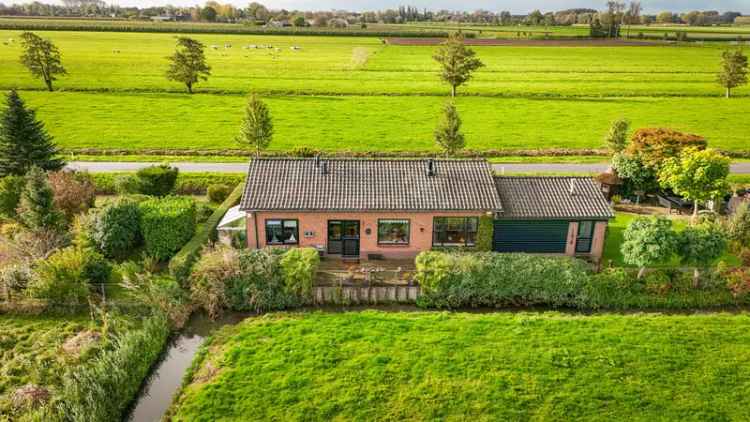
257, 13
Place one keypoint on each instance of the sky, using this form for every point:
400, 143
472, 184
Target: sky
515, 6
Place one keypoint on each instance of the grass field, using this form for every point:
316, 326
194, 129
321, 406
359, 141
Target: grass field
440, 366
30, 352
355, 93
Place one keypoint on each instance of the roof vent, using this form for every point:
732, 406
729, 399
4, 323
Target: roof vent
324, 167
431, 169
317, 161
572, 187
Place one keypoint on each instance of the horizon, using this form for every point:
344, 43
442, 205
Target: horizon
514, 6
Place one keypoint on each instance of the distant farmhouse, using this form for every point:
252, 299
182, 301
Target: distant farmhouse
373, 209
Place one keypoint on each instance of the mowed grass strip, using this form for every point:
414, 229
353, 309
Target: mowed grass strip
371, 123
366, 66
440, 366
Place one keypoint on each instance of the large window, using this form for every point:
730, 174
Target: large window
455, 231
585, 236
282, 232
393, 232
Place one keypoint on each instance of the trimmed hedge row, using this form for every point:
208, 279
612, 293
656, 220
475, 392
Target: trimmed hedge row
186, 184
166, 225
181, 264
455, 280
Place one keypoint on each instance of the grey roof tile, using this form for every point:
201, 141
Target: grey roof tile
552, 197
369, 185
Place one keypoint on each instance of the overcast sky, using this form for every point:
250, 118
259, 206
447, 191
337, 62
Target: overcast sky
516, 6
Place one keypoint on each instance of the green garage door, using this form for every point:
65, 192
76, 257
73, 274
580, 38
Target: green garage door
530, 236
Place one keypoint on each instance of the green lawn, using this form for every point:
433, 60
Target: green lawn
30, 352
370, 123
355, 93
442, 366
615, 238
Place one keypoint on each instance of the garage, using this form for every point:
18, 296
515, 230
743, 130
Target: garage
531, 236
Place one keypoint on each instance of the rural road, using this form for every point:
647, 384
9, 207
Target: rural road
109, 167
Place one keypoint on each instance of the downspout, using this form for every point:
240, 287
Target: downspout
255, 222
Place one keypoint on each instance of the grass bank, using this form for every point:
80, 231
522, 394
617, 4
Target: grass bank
441, 366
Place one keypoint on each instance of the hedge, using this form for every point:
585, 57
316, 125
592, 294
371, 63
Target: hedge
182, 263
166, 225
455, 280
103, 389
187, 183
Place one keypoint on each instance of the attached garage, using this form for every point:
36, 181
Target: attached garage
552, 215
545, 236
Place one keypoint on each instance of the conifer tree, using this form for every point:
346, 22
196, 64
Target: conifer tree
24, 142
36, 210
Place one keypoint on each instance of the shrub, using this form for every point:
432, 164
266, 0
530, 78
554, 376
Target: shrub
14, 279
115, 228
203, 212
10, 195
181, 264
63, 278
261, 286
74, 193
738, 226
157, 180
299, 266
219, 192
123, 184
208, 282
490, 279
167, 224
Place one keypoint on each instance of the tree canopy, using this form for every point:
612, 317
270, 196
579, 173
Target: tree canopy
24, 142
448, 132
457, 61
697, 175
617, 137
648, 241
733, 71
188, 63
42, 58
256, 128
701, 245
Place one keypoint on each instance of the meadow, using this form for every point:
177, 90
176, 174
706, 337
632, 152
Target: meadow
359, 94
442, 366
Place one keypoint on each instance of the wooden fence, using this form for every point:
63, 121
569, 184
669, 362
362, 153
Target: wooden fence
364, 295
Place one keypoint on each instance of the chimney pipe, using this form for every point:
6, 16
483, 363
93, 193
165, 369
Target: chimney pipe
324, 167
572, 186
317, 161
431, 167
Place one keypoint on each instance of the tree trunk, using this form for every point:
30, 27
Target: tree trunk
49, 84
729, 92
694, 218
641, 272
696, 278
453, 91
190, 88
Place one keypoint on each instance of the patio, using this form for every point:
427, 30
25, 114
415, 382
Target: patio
341, 272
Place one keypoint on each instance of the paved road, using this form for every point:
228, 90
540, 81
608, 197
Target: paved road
108, 167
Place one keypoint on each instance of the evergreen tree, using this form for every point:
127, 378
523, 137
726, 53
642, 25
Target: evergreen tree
188, 63
36, 210
458, 62
257, 126
733, 70
24, 142
448, 133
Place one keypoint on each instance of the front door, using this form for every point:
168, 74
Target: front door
343, 237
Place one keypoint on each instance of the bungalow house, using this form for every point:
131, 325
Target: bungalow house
372, 209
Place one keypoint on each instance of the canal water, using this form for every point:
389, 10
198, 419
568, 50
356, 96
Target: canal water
157, 393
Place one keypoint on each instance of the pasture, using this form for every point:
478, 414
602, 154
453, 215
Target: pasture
359, 94
458, 366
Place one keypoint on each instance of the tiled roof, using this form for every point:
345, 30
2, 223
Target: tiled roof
369, 185
551, 198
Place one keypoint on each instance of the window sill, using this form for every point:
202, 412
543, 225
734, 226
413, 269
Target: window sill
393, 245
